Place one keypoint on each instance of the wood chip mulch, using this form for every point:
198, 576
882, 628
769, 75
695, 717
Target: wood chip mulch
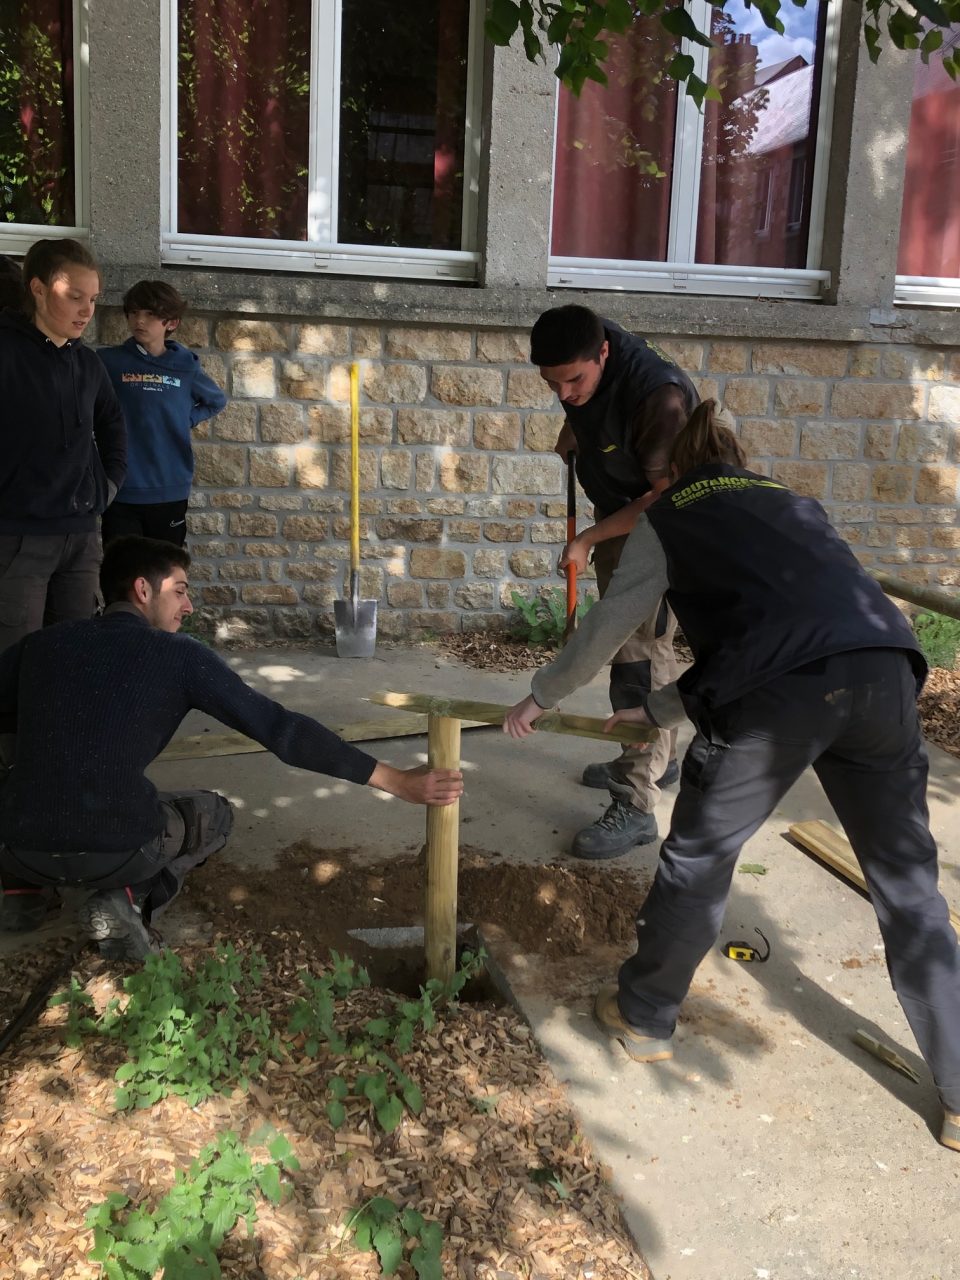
940, 709
493, 1112
494, 651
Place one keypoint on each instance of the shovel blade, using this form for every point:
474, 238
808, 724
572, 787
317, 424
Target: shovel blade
355, 624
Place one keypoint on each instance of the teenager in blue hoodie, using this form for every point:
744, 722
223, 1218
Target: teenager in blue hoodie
164, 394
62, 443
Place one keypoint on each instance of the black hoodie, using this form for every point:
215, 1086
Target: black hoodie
63, 443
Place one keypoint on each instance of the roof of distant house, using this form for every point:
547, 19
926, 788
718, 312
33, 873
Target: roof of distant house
775, 70
784, 111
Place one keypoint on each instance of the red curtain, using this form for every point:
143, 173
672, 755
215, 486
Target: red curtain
243, 113
36, 112
614, 158
930, 224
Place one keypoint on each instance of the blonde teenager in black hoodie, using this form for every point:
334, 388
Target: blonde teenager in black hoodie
62, 444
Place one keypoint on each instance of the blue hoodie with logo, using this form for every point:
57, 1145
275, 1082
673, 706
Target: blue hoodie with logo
163, 398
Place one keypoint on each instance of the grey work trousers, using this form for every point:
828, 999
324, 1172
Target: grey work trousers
46, 578
852, 717
645, 661
196, 824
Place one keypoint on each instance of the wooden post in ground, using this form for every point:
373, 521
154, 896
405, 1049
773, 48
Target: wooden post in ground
443, 825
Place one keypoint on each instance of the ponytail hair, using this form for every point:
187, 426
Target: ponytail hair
707, 440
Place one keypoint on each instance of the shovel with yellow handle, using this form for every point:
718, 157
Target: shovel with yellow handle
355, 620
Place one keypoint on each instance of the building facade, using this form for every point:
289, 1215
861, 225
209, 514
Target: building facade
328, 182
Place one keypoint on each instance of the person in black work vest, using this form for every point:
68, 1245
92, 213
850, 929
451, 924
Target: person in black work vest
624, 405
799, 659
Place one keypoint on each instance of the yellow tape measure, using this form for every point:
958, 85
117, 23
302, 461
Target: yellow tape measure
744, 951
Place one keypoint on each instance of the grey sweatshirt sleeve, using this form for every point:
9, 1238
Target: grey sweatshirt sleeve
634, 592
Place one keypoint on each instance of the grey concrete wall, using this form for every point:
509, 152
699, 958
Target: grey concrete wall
867, 164
125, 115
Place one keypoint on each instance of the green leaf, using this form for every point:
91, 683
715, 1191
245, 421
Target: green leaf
412, 1096
872, 36
680, 66
269, 1180
752, 869
143, 1257
679, 23
379, 1027
389, 1114
338, 1087
412, 1222
389, 1246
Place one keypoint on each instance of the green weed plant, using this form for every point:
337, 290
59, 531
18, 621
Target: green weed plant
378, 1077
543, 620
939, 638
184, 1232
398, 1235
184, 1033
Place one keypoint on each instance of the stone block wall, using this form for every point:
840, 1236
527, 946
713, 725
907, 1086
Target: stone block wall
462, 498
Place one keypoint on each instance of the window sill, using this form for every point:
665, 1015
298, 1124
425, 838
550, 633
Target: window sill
296, 256
927, 291
692, 278
17, 237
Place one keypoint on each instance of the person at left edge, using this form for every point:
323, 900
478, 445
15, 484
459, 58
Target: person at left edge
62, 444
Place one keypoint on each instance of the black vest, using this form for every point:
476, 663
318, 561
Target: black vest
609, 471
761, 583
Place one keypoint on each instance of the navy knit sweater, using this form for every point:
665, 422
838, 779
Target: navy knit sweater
94, 702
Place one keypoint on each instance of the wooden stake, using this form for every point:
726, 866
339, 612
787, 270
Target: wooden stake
443, 823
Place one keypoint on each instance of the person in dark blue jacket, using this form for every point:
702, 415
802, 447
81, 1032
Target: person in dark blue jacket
800, 660
86, 707
62, 444
164, 394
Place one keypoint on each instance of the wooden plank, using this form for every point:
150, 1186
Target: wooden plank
495, 713
198, 745
834, 849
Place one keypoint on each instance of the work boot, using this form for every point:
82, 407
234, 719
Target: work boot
24, 909
599, 775
641, 1048
621, 828
950, 1130
113, 919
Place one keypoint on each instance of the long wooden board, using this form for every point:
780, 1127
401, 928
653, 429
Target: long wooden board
834, 849
198, 745
494, 713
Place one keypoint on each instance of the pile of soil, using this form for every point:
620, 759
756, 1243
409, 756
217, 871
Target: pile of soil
549, 910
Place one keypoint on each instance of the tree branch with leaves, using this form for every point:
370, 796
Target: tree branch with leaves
579, 31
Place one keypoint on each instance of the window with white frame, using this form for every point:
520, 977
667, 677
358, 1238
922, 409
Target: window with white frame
42, 105
328, 135
928, 261
652, 193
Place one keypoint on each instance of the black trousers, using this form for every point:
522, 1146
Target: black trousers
46, 578
164, 520
853, 718
196, 824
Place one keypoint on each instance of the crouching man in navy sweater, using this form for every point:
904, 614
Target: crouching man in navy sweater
91, 705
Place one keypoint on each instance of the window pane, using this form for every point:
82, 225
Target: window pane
403, 84
930, 225
614, 157
243, 117
36, 113
759, 142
